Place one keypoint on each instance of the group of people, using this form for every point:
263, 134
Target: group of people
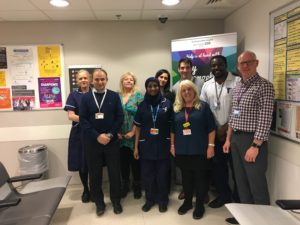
202, 127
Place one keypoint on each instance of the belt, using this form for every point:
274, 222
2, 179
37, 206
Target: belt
241, 131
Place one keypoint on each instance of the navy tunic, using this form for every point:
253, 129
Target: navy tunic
76, 154
154, 147
202, 123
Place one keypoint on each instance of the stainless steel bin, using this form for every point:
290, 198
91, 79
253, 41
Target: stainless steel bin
33, 159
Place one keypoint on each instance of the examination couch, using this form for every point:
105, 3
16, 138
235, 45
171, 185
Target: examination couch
34, 204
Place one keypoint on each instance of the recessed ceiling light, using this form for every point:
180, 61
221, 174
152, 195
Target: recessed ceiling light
59, 3
170, 2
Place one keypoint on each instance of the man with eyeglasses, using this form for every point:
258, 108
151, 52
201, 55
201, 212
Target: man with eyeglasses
248, 131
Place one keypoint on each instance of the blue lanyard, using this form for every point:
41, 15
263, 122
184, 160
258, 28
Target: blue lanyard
154, 116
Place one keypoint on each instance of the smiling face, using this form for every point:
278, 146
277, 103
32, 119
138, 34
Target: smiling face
247, 64
99, 80
185, 71
82, 79
152, 88
188, 94
218, 67
128, 82
163, 79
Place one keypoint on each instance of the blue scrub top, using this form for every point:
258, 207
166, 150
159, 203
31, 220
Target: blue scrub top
154, 147
202, 123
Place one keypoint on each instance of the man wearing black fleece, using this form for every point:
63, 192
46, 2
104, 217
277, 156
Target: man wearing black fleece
101, 117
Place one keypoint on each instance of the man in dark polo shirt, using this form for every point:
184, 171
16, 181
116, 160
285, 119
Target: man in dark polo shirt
101, 117
249, 128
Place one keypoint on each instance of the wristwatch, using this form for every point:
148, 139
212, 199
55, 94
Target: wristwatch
110, 135
255, 145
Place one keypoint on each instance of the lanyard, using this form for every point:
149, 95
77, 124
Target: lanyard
244, 89
218, 95
97, 104
186, 114
154, 116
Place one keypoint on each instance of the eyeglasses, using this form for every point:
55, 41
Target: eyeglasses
247, 63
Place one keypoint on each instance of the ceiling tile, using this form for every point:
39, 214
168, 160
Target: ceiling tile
15, 10
171, 14
70, 15
74, 5
220, 4
125, 15
16, 5
116, 4
156, 4
23, 15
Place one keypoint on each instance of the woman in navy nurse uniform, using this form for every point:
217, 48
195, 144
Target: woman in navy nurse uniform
192, 145
76, 156
152, 145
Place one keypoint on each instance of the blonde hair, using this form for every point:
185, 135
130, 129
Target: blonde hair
179, 101
134, 89
83, 71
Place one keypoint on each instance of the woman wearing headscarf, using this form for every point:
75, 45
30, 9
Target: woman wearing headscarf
152, 145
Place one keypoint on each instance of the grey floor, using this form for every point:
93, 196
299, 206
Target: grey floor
72, 212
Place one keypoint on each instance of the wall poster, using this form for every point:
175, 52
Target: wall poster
31, 77
284, 69
73, 69
200, 50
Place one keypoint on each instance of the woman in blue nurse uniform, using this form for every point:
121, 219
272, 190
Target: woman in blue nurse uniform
76, 156
152, 145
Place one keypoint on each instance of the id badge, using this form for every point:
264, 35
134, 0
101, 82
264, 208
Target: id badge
217, 105
99, 116
236, 113
187, 132
154, 131
186, 125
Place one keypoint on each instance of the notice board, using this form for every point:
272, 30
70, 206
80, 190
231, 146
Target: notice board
31, 77
284, 69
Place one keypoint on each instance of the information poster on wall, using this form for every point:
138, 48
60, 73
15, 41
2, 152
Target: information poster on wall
200, 50
31, 77
285, 69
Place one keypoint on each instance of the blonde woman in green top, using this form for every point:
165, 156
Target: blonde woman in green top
130, 98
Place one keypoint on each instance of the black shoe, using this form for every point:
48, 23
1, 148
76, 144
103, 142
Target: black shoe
85, 197
198, 212
162, 208
181, 195
184, 208
100, 209
231, 220
117, 208
217, 203
137, 192
147, 206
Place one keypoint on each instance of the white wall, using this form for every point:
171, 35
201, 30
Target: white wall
140, 47
252, 25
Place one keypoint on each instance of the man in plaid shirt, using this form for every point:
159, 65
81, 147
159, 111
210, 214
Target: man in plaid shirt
248, 132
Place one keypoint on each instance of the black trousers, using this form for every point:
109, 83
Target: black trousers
95, 155
195, 176
127, 163
156, 176
220, 172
